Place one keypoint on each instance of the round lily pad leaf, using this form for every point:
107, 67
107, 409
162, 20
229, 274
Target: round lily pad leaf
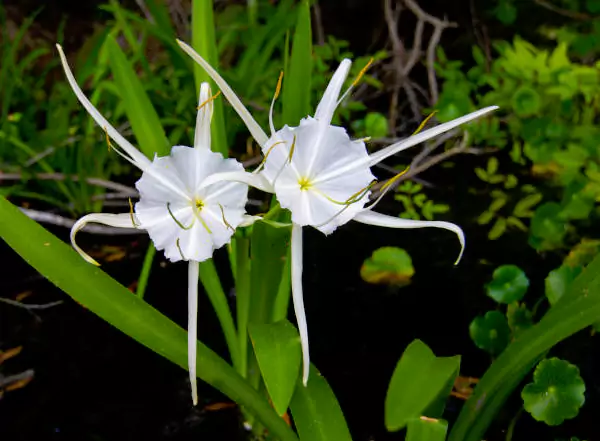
389, 265
490, 332
556, 394
509, 284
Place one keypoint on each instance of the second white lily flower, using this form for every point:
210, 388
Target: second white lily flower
322, 176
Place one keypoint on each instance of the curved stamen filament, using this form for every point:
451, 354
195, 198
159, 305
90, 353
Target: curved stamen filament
356, 81
353, 198
425, 121
208, 100
227, 224
179, 249
387, 187
275, 96
179, 224
262, 163
131, 215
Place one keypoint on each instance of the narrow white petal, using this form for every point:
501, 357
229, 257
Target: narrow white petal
328, 103
137, 157
382, 220
402, 145
205, 112
256, 181
425, 135
298, 298
255, 130
193, 326
123, 220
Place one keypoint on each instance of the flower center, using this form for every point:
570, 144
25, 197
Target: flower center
304, 184
199, 205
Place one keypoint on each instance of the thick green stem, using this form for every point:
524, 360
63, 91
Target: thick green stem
242, 289
212, 285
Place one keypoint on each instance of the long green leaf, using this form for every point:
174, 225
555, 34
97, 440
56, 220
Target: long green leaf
297, 82
316, 411
102, 295
204, 42
277, 349
579, 309
140, 112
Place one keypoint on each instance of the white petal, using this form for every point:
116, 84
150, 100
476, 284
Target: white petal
256, 181
193, 326
122, 220
328, 103
382, 220
402, 145
163, 181
136, 157
255, 130
203, 118
298, 299
425, 135
248, 220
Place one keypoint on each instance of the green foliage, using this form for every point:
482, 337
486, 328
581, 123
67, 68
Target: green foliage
556, 394
548, 112
490, 332
419, 386
509, 284
416, 203
389, 265
519, 318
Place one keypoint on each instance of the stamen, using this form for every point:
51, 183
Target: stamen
179, 248
179, 224
387, 187
356, 81
362, 72
353, 198
292, 148
108, 143
425, 121
225, 220
131, 214
275, 96
199, 207
262, 163
212, 98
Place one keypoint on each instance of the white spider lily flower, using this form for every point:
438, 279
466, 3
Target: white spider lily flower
322, 176
184, 214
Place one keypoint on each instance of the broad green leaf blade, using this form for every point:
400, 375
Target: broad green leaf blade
277, 349
556, 394
102, 295
418, 382
140, 112
297, 80
426, 429
316, 411
204, 42
576, 310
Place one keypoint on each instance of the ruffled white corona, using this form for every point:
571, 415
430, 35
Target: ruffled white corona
184, 213
322, 176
